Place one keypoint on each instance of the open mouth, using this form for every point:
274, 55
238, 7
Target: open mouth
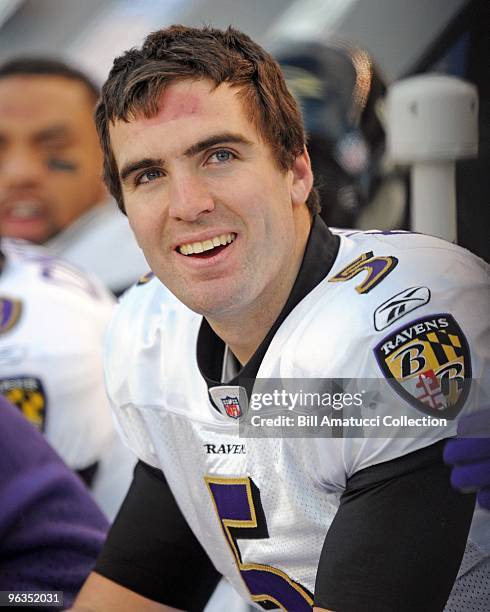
207, 248
24, 210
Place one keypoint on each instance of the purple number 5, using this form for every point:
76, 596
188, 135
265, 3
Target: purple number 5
239, 509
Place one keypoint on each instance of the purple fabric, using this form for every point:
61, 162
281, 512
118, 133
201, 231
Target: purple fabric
470, 456
51, 530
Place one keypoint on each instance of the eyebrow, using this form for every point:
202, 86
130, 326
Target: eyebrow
131, 167
48, 134
216, 139
56, 131
195, 149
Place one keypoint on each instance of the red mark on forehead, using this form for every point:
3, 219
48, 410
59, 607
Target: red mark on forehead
176, 103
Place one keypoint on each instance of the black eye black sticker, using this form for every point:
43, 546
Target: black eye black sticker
61, 165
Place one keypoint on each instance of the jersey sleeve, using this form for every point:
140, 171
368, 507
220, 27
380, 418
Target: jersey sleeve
135, 338
415, 344
433, 363
52, 356
79, 423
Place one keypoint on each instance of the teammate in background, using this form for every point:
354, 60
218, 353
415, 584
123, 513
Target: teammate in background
53, 319
204, 150
51, 189
51, 531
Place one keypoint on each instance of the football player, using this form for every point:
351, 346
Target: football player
51, 189
205, 152
52, 323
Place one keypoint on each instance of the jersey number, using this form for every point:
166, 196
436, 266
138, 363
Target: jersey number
239, 509
377, 269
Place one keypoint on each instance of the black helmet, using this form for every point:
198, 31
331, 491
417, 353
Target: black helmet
337, 87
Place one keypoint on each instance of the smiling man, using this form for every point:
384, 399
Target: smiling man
225, 185
51, 188
50, 158
204, 150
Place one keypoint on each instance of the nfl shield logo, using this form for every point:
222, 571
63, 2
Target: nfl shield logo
231, 406
229, 400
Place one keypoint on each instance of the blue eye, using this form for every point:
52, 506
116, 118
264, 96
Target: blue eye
223, 155
148, 176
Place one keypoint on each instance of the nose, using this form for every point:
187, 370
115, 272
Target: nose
189, 198
20, 167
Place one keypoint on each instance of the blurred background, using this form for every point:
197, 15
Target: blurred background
396, 38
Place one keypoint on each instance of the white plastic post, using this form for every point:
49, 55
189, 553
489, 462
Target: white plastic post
432, 120
434, 199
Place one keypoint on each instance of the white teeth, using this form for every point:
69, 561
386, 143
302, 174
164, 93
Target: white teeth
206, 245
24, 210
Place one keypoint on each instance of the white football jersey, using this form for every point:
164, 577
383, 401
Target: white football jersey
53, 320
409, 309
91, 242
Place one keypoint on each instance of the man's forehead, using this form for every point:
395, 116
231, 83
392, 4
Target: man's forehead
192, 110
191, 98
28, 97
180, 100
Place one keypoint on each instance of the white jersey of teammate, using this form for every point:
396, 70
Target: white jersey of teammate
404, 307
93, 242
53, 320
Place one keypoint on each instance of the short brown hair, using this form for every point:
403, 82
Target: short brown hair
139, 76
48, 66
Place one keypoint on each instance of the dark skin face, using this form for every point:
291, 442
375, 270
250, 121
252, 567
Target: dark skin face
50, 159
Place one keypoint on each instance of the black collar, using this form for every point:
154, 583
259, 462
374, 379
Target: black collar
320, 253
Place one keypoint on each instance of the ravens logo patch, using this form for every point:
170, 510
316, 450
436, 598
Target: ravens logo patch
27, 393
427, 362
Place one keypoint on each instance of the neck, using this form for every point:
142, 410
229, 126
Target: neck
243, 332
243, 335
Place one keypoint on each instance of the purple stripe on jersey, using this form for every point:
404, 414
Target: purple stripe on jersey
263, 582
7, 311
231, 501
234, 502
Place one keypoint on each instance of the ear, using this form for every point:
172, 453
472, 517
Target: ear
302, 178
